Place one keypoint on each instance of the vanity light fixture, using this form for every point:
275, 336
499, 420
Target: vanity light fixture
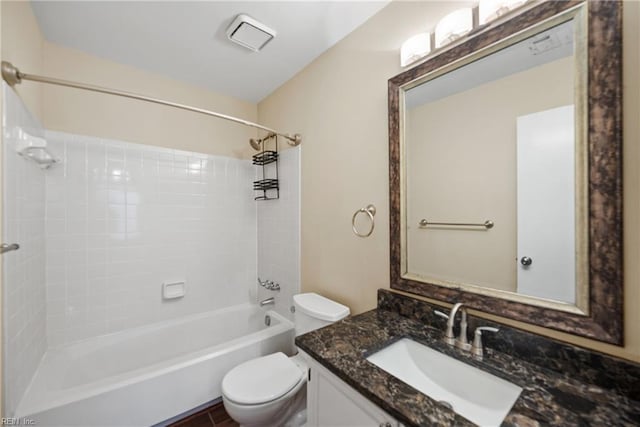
415, 48
453, 26
489, 10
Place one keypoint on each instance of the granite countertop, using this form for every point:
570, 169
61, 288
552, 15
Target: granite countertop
548, 397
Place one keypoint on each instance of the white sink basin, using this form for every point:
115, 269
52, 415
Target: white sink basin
478, 396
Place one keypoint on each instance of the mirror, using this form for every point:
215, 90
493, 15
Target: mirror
490, 175
495, 177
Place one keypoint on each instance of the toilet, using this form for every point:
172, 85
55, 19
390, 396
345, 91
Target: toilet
271, 390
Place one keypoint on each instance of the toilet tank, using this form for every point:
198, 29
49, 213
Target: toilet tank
314, 311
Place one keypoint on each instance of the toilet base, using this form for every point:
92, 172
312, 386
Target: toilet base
289, 412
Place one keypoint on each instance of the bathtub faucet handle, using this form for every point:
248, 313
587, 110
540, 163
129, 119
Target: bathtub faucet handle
273, 286
269, 284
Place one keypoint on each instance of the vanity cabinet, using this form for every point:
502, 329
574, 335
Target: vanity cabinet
332, 403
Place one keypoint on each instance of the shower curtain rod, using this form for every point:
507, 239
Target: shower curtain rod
12, 75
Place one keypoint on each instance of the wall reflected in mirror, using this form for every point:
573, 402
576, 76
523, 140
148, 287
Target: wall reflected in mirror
498, 140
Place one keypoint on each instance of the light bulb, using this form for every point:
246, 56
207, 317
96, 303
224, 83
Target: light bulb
453, 26
415, 48
488, 10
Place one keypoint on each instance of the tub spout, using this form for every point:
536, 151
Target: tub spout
267, 301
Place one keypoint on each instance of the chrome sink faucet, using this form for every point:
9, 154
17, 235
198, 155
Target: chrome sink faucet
462, 342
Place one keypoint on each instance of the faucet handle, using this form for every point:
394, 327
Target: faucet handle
441, 314
476, 348
479, 329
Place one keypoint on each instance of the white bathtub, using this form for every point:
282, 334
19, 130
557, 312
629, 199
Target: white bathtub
146, 375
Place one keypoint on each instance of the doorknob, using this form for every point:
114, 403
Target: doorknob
526, 261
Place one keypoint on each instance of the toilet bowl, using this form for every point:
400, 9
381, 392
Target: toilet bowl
271, 390
265, 391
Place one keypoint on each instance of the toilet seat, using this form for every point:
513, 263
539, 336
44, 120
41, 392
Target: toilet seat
262, 380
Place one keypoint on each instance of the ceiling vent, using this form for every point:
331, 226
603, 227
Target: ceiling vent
249, 33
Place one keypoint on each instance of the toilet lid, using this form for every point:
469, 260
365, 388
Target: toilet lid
261, 380
322, 308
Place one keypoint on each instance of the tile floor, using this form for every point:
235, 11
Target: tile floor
213, 416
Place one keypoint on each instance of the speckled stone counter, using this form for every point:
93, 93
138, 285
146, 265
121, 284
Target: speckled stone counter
562, 385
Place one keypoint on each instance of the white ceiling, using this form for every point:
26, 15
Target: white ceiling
186, 40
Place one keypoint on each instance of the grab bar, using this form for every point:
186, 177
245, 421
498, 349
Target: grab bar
6, 247
488, 224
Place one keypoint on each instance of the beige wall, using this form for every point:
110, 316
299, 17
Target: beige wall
339, 104
88, 113
466, 172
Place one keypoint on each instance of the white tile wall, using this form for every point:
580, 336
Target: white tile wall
103, 230
23, 270
123, 218
279, 234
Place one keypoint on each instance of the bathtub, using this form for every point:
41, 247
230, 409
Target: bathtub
146, 375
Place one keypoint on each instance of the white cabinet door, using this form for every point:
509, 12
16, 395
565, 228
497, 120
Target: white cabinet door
332, 403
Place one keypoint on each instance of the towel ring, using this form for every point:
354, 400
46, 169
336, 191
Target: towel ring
371, 212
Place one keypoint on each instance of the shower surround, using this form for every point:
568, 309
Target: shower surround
132, 217
103, 230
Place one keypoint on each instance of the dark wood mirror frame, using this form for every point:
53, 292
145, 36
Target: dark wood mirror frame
605, 319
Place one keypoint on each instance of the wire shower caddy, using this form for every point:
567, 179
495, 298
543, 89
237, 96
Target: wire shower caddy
268, 185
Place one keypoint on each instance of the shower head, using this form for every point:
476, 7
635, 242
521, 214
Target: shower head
255, 144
